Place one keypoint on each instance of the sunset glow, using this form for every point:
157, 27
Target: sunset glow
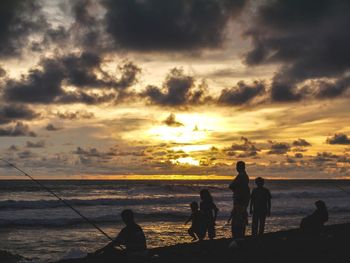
84, 96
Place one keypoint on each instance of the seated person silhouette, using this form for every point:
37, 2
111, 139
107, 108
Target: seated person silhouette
313, 223
260, 206
132, 237
195, 218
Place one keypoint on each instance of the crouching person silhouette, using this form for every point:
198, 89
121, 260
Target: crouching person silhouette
132, 237
196, 221
312, 224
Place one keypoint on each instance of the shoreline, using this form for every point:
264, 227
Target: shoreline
282, 246
275, 247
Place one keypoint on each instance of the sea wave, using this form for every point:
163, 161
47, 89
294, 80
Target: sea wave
161, 216
156, 198
62, 222
45, 204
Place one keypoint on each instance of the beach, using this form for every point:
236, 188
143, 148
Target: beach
40, 228
282, 246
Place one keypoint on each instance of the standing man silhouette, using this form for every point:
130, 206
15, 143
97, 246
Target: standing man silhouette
241, 197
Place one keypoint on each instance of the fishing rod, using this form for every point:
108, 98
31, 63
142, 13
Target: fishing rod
59, 198
342, 189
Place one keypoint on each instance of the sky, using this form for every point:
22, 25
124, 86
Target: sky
108, 89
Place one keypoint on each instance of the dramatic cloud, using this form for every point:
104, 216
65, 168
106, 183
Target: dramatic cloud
308, 39
324, 157
14, 112
75, 115
278, 147
242, 93
18, 20
13, 148
339, 138
39, 86
51, 127
301, 143
298, 155
178, 90
19, 129
172, 122
158, 25
38, 144
25, 154
45, 84
246, 149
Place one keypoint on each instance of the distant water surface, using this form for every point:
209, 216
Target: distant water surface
36, 225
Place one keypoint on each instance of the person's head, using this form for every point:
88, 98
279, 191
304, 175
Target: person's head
240, 166
194, 206
127, 216
205, 195
259, 181
320, 205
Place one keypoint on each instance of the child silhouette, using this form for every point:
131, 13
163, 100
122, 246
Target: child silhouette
209, 213
195, 219
260, 206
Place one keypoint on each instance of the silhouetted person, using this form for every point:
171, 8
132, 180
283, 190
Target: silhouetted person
240, 185
209, 213
260, 206
241, 196
239, 221
132, 237
313, 223
195, 218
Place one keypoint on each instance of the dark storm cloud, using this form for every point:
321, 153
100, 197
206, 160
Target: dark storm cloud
325, 157
178, 90
70, 115
51, 127
308, 38
39, 86
242, 93
338, 138
2, 72
86, 98
38, 144
298, 155
278, 147
246, 149
13, 148
158, 25
13, 112
172, 122
301, 143
18, 20
88, 29
330, 89
44, 84
19, 129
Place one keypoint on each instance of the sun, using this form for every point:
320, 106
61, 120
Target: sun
193, 128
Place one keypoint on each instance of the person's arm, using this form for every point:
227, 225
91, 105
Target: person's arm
269, 204
188, 220
116, 242
230, 218
251, 203
215, 211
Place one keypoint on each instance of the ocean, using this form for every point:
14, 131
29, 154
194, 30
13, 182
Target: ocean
37, 226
